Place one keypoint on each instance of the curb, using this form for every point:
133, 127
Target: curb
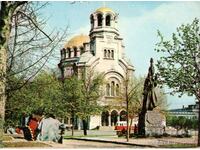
116, 142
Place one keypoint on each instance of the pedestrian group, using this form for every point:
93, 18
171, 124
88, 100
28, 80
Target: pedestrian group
42, 127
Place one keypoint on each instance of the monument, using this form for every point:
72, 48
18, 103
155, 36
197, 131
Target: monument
151, 120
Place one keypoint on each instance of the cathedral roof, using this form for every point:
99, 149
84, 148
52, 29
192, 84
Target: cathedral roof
104, 9
85, 57
77, 41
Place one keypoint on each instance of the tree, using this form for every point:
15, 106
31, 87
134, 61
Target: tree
132, 94
91, 92
179, 68
7, 10
135, 98
42, 92
178, 123
22, 36
29, 48
46, 91
80, 95
129, 96
71, 97
182, 123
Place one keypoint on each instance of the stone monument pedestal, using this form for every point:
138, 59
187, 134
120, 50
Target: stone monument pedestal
155, 123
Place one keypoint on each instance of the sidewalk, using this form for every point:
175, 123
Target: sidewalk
144, 142
101, 140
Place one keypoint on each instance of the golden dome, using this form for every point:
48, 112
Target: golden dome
104, 9
77, 41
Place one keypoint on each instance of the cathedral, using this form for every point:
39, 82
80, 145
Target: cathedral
103, 50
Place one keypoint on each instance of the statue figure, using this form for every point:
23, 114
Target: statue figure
149, 89
149, 97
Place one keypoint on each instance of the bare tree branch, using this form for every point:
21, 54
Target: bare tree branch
30, 19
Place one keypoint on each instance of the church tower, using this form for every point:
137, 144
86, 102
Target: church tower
104, 19
103, 51
104, 35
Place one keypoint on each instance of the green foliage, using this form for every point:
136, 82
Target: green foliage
46, 87
135, 94
43, 91
80, 96
71, 95
182, 122
1, 132
91, 92
179, 68
136, 86
179, 145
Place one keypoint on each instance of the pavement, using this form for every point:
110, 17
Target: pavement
111, 137
114, 142
108, 139
142, 142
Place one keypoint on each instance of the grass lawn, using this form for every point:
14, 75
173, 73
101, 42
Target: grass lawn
7, 138
8, 142
179, 146
24, 144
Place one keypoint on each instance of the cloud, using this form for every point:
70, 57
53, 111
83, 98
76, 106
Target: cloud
82, 30
140, 32
140, 36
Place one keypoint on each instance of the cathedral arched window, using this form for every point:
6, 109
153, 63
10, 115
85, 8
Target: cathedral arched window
112, 54
105, 53
64, 53
117, 89
69, 52
108, 20
82, 50
108, 53
62, 72
75, 52
112, 88
108, 89
100, 19
92, 21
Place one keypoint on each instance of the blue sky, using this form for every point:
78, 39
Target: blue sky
138, 25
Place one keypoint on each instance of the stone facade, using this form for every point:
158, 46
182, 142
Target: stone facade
103, 51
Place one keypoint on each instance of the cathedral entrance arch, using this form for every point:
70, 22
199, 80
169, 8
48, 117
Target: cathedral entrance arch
104, 118
114, 115
123, 115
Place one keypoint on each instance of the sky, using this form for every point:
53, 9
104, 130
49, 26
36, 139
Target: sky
138, 25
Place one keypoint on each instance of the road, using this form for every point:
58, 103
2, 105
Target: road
88, 144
